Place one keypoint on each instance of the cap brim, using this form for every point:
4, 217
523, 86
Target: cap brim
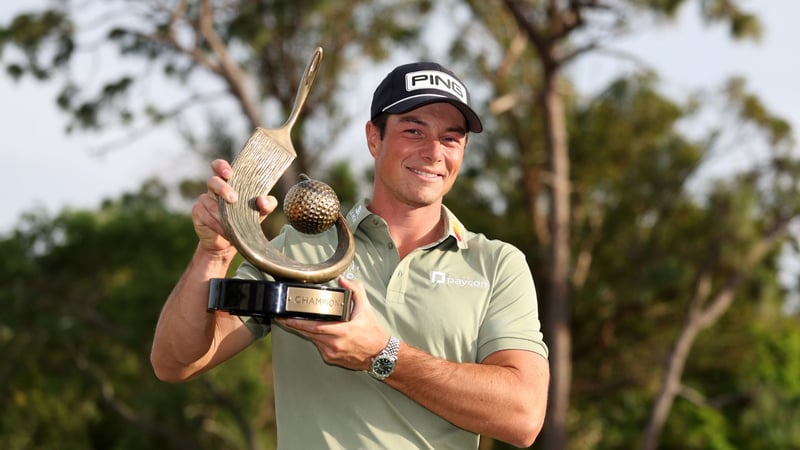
474, 124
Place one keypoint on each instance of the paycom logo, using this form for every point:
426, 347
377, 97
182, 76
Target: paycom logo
438, 277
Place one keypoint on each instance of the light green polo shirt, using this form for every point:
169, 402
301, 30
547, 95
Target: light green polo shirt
461, 298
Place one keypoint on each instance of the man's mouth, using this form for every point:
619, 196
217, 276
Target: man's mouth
424, 173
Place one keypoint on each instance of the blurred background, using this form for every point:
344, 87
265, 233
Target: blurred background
641, 153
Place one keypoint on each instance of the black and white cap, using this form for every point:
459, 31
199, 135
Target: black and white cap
417, 84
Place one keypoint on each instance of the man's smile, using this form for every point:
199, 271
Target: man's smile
424, 173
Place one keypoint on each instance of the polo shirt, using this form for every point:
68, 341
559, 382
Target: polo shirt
461, 298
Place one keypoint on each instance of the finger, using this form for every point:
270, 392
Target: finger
266, 204
211, 206
219, 187
218, 183
305, 327
222, 169
358, 296
294, 324
205, 213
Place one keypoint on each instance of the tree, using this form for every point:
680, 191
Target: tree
612, 198
235, 62
640, 217
81, 294
558, 33
764, 197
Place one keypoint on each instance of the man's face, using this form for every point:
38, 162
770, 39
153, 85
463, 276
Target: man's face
417, 161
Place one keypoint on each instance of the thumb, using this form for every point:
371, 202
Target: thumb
266, 204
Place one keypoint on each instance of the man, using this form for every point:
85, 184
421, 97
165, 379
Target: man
451, 314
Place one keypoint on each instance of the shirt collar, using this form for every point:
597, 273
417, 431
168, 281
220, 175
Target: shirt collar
358, 213
454, 227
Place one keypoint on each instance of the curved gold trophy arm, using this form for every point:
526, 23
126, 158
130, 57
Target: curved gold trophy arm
262, 161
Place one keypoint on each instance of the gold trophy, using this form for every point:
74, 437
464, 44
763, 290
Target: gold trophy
310, 206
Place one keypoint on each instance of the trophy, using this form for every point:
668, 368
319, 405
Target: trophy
310, 206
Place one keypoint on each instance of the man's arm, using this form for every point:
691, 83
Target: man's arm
503, 397
189, 340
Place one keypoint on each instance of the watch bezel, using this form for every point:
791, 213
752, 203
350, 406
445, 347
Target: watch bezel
383, 366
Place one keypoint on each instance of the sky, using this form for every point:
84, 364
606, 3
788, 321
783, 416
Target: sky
48, 170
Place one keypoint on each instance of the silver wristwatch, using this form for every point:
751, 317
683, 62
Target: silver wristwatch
383, 364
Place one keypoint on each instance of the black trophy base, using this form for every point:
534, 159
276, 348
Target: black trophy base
279, 299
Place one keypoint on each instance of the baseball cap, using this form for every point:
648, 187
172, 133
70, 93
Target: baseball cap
410, 86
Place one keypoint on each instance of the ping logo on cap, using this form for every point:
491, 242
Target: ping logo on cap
433, 79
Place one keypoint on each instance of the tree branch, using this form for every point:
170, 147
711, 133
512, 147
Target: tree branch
224, 400
231, 71
698, 319
124, 411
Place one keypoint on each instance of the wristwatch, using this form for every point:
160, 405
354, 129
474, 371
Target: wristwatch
383, 364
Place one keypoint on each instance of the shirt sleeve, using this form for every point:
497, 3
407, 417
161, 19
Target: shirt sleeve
259, 326
512, 319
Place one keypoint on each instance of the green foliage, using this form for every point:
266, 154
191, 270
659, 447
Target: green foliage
232, 59
654, 241
81, 294
772, 384
45, 40
644, 236
341, 178
741, 24
629, 164
82, 290
749, 108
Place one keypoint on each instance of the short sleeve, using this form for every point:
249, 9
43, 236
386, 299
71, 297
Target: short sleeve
260, 327
512, 319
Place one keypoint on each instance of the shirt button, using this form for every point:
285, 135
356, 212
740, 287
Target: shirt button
390, 246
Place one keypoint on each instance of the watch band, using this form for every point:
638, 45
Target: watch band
392, 348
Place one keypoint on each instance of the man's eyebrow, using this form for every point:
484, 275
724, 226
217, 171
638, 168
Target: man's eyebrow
458, 129
412, 119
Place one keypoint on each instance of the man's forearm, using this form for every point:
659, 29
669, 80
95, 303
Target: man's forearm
503, 398
186, 335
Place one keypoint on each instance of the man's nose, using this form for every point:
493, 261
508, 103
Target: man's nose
433, 150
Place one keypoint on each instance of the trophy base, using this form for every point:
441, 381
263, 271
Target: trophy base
279, 299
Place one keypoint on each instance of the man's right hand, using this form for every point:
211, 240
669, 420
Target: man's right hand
205, 212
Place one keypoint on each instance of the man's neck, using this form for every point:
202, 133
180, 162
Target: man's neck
411, 227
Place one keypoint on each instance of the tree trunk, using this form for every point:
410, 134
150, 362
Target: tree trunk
670, 386
556, 321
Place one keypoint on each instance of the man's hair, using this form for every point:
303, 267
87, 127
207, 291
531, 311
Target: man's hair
380, 122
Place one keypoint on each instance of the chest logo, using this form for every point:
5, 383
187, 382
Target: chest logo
438, 277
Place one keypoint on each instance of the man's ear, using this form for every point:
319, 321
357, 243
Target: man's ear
373, 138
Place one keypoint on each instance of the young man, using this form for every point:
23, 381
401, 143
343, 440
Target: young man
456, 311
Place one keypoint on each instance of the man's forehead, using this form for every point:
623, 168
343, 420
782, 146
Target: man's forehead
437, 111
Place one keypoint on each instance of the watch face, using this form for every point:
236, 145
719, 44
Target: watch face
383, 366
